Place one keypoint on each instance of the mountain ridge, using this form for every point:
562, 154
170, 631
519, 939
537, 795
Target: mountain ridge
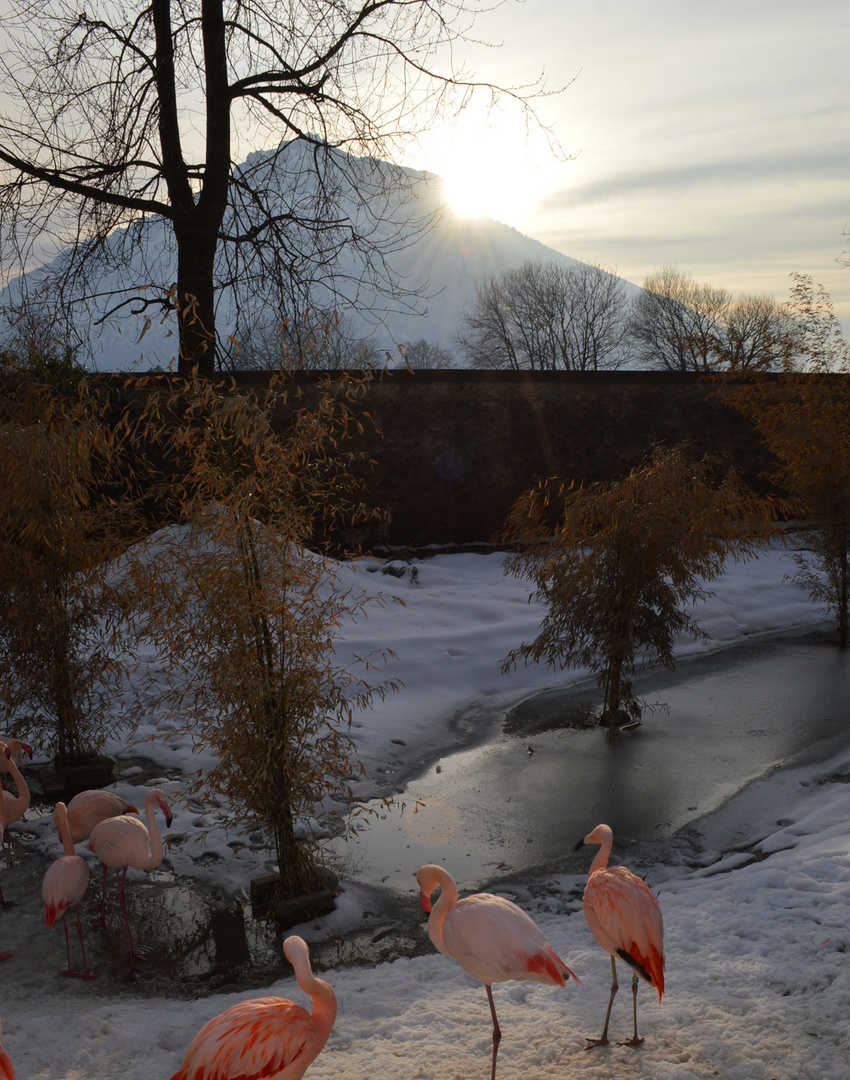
440, 267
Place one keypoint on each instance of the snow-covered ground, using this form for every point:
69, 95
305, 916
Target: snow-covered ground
758, 981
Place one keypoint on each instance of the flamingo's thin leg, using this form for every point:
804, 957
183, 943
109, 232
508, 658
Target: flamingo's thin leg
634, 1040
615, 986
497, 1032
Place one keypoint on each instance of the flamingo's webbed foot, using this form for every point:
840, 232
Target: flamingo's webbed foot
603, 1041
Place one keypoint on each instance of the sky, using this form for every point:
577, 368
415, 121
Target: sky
713, 138
756, 943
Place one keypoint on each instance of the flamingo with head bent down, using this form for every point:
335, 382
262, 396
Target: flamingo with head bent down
491, 938
89, 808
269, 1038
625, 918
121, 842
64, 886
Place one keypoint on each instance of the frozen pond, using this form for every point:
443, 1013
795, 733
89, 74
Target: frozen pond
525, 799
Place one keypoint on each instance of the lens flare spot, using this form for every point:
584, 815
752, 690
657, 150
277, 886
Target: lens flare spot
431, 821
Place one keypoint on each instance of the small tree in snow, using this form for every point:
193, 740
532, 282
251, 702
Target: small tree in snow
247, 616
627, 560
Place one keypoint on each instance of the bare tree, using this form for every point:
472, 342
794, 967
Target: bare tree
756, 334
122, 120
684, 325
313, 341
424, 355
547, 317
676, 321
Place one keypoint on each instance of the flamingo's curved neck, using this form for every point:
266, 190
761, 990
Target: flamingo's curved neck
154, 839
448, 898
323, 997
23, 799
60, 816
600, 860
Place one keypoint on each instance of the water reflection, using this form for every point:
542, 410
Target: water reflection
524, 800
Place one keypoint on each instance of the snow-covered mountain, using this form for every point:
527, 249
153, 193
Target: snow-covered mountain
437, 271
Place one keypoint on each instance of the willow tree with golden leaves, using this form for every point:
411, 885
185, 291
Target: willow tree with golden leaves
619, 570
247, 616
803, 415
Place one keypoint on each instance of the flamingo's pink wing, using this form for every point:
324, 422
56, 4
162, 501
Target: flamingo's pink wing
625, 918
120, 841
493, 940
256, 1038
88, 808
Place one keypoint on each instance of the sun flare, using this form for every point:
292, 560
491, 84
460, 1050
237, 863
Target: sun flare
490, 165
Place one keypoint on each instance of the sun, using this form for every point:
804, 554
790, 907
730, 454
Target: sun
492, 166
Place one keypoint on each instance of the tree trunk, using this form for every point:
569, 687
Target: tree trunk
196, 221
612, 696
195, 299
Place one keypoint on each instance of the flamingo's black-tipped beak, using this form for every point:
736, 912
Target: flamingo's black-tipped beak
425, 903
579, 845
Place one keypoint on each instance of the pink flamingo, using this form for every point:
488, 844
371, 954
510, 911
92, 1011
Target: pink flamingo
19, 750
15, 807
87, 809
491, 938
4, 755
7, 1069
266, 1037
64, 886
625, 918
122, 842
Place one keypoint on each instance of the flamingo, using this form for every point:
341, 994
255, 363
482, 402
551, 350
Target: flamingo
7, 1069
87, 809
14, 808
64, 886
122, 842
491, 938
266, 1037
4, 754
19, 750
624, 916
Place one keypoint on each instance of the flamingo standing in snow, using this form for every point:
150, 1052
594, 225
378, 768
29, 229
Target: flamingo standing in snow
87, 809
491, 938
64, 886
625, 918
122, 842
15, 807
4, 821
266, 1037
7, 1069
